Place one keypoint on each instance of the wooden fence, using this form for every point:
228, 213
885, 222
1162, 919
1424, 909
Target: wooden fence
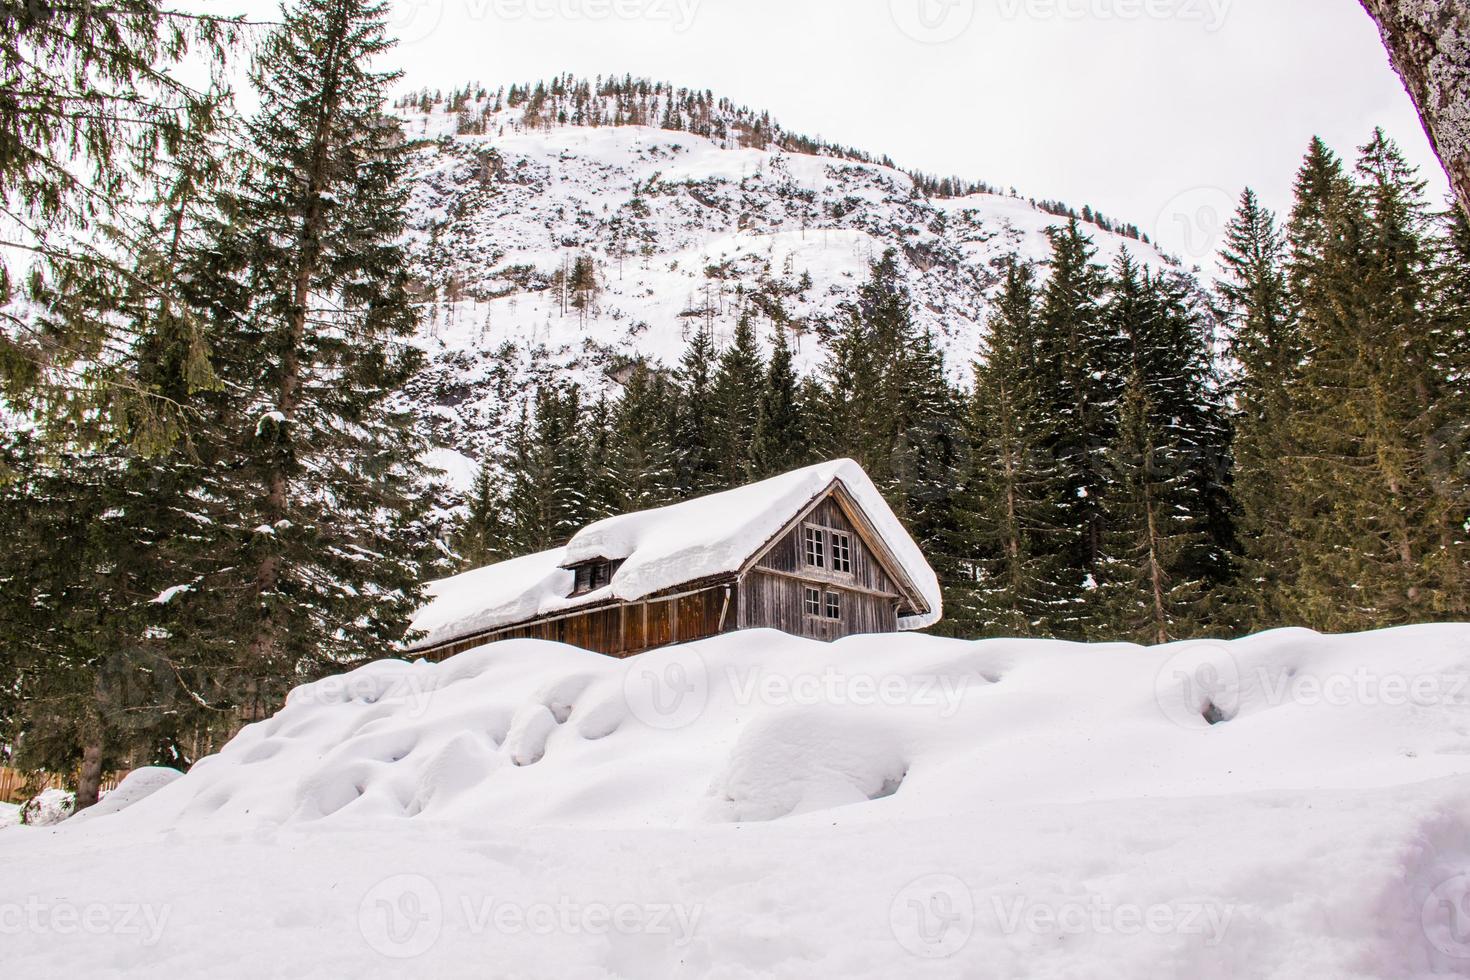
17, 786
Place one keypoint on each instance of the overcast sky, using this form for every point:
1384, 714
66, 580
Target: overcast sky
1155, 111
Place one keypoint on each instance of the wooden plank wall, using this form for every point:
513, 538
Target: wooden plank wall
772, 595
776, 601
623, 630
867, 573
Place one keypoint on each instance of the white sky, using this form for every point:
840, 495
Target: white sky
1155, 111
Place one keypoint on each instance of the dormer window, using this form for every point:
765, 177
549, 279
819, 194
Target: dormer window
594, 575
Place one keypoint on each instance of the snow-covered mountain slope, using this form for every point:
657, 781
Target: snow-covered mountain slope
681, 230
758, 805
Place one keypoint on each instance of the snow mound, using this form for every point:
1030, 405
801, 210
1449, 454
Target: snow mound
762, 726
48, 808
1288, 805
804, 760
135, 786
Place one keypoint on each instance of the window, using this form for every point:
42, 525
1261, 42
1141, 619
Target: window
601, 575
595, 575
816, 546
841, 552
834, 605
813, 602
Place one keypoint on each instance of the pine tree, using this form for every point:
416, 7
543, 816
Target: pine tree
1363, 518
543, 496
95, 127
1187, 394
778, 444
1080, 363
893, 410
736, 395
1009, 503
1266, 346
481, 537
326, 543
641, 456
697, 440
1144, 591
1448, 456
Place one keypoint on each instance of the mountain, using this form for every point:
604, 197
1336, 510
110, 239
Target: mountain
563, 230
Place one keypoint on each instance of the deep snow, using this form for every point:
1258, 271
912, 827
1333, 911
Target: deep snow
759, 805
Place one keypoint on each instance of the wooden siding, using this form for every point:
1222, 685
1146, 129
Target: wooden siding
776, 600
786, 555
622, 629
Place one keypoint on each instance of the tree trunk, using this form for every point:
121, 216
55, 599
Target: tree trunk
89, 780
1429, 43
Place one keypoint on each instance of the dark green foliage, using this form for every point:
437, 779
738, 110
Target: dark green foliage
1266, 345
736, 398
1367, 523
697, 441
536, 496
779, 431
97, 136
1009, 512
641, 458
322, 539
1080, 366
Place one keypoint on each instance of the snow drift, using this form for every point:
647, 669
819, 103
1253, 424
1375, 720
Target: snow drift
1289, 805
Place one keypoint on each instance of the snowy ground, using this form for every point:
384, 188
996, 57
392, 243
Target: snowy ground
762, 806
9, 815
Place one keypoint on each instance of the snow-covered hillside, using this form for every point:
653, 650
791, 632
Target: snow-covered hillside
1289, 805
682, 230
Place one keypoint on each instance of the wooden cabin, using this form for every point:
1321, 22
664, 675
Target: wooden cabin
815, 553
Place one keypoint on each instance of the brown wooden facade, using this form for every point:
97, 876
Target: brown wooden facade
858, 587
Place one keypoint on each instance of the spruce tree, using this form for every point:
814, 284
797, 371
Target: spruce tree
778, 444
1080, 364
326, 545
1364, 521
737, 396
1266, 346
1448, 462
697, 439
540, 497
1145, 592
96, 125
1009, 504
894, 411
1185, 389
641, 456
481, 537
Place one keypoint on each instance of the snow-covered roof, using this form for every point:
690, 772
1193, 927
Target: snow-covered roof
664, 548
